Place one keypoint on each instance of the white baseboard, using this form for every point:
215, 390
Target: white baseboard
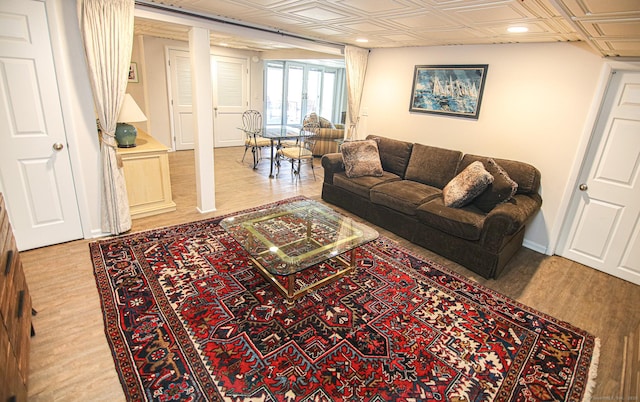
534, 246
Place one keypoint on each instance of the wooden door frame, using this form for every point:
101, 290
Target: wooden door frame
583, 146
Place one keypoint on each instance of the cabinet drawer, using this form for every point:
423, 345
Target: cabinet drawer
17, 302
13, 389
6, 244
20, 332
5, 231
8, 299
12, 385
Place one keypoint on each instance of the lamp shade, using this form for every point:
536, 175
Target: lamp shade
130, 112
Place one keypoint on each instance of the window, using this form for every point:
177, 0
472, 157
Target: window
294, 89
275, 76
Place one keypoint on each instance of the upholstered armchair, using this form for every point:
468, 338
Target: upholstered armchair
326, 140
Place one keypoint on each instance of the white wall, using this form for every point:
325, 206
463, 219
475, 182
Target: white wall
536, 101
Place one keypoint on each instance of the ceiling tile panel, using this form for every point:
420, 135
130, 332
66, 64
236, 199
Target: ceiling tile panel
400, 38
482, 14
376, 6
583, 8
621, 29
319, 14
366, 27
265, 3
330, 31
622, 48
425, 21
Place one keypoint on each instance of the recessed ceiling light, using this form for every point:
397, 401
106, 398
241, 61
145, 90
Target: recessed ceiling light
362, 40
518, 29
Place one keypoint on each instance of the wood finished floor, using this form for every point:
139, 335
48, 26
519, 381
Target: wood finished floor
71, 359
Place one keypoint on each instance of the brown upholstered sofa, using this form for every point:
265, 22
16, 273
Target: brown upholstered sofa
407, 200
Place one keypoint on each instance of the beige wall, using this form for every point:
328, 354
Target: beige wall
536, 102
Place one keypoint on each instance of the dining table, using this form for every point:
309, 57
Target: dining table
278, 133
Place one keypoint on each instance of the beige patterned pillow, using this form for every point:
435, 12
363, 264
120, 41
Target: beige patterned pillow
361, 158
468, 184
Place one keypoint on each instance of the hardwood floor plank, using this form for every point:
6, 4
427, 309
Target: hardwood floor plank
70, 357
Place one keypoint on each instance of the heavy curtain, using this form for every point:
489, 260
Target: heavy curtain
107, 32
356, 67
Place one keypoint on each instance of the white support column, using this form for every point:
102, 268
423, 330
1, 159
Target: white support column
202, 97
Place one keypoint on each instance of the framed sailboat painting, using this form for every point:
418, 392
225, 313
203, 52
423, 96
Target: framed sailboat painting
450, 90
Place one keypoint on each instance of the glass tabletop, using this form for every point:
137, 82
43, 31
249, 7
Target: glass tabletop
276, 132
291, 237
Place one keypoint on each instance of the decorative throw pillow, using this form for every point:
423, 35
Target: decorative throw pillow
501, 190
325, 123
311, 118
463, 188
361, 158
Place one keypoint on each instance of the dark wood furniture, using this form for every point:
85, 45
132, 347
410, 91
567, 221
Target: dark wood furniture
15, 312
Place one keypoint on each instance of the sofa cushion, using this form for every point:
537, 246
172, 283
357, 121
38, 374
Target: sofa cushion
362, 185
463, 222
403, 195
394, 154
467, 185
501, 190
361, 158
432, 166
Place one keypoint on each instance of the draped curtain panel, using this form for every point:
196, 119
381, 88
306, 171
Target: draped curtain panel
356, 66
107, 31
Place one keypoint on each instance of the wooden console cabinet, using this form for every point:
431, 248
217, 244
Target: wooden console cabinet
146, 171
15, 312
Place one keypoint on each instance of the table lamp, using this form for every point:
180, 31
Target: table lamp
129, 113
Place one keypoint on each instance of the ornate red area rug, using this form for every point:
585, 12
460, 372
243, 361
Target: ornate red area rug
189, 319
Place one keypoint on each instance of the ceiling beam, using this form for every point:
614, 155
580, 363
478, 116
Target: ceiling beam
560, 8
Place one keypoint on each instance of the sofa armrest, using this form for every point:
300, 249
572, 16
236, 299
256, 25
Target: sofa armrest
507, 218
331, 163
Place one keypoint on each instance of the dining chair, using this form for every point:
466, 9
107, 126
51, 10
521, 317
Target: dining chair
252, 127
303, 151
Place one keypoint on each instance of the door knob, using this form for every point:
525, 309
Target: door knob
57, 146
583, 187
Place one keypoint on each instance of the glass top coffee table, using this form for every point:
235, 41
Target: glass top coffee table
285, 240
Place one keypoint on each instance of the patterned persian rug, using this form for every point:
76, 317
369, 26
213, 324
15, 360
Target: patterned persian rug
188, 318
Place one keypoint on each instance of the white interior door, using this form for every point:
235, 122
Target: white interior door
181, 107
604, 232
230, 79
35, 169
230, 99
